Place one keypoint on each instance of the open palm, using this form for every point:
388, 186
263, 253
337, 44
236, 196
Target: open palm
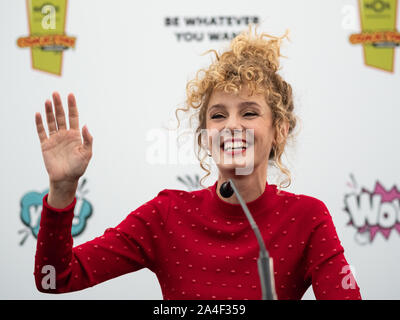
65, 156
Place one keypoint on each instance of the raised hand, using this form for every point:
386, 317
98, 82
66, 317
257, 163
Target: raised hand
65, 156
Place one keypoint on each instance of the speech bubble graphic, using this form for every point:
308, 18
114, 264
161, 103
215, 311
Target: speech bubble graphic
31, 207
373, 212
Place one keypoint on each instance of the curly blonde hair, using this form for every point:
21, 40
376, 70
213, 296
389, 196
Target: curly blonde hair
252, 61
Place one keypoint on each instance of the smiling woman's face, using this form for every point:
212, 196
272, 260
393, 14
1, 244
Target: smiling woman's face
228, 117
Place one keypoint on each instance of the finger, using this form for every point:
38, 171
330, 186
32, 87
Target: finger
73, 112
51, 122
87, 139
60, 115
40, 128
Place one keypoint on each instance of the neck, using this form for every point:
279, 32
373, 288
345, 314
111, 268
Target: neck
250, 186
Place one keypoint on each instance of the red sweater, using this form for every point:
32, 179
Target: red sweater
201, 247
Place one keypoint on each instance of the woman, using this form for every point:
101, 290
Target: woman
199, 244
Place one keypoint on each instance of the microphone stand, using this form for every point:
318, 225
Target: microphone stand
265, 264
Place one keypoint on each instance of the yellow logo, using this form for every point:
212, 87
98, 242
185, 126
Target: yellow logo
47, 39
378, 36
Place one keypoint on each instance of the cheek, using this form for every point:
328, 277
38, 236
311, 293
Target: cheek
212, 129
210, 134
263, 139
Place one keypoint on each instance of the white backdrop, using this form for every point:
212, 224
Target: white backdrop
128, 72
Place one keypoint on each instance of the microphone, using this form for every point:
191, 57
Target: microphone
226, 190
265, 265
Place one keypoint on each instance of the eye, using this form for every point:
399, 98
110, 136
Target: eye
216, 116
250, 114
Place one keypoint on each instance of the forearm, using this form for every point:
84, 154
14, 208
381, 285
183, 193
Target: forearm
54, 248
114, 253
334, 280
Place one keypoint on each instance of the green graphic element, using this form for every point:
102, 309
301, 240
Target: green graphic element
47, 17
378, 15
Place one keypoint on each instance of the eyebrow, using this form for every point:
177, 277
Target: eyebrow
241, 105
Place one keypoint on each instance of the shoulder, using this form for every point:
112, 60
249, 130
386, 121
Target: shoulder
184, 194
313, 219
160, 205
173, 196
304, 205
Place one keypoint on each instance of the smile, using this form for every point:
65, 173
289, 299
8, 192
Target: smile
234, 146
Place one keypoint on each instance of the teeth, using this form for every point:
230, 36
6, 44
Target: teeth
229, 145
230, 149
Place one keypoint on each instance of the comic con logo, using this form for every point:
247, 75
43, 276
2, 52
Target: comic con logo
377, 5
47, 39
31, 209
379, 36
373, 212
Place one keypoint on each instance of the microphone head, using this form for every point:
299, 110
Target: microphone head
226, 190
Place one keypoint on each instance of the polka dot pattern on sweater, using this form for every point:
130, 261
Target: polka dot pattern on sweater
202, 247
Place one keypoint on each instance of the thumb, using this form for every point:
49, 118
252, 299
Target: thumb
87, 138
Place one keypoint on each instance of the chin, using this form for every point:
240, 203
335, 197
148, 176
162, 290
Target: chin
234, 163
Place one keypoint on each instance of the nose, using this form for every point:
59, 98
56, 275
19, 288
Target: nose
233, 124
233, 127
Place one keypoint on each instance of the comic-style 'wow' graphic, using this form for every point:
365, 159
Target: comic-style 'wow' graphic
31, 209
47, 39
373, 212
